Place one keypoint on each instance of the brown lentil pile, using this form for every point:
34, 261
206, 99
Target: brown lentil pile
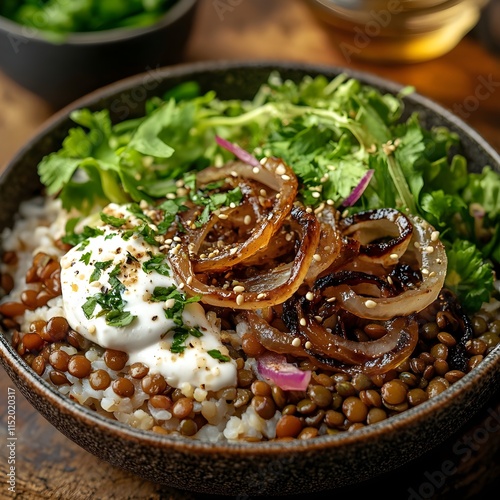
332, 403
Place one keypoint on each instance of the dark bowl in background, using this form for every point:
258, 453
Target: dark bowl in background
270, 468
61, 73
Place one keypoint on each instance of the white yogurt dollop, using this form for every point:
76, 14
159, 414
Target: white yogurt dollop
91, 271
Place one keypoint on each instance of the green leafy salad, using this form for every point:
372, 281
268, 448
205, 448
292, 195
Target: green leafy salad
58, 18
345, 141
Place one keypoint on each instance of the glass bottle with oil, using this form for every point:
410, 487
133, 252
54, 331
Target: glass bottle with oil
398, 30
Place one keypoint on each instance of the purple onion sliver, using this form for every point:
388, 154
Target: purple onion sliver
240, 153
359, 189
288, 377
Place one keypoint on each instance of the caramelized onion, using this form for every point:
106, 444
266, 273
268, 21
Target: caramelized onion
268, 288
273, 173
431, 260
373, 227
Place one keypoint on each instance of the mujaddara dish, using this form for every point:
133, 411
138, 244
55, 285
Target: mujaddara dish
300, 264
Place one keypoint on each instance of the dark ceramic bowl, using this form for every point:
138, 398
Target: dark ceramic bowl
269, 468
61, 73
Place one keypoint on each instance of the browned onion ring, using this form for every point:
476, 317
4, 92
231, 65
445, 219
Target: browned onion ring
374, 225
274, 174
264, 290
430, 256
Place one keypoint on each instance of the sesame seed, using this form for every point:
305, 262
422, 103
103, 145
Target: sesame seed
238, 289
389, 280
189, 280
261, 296
394, 256
303, 322
370, 304
247, 219
317, 257
416, 244
263, 192
315, 194
255, 170
203, 256
232, 251
425, 271
309, 296
319, 319
240, 299
330, 202
431, 274
308, 345
181, 286
280, 169
331, 299
296, 342
434, 235
223, 216
232, 205
176, 249
345, 213
169, 303
429, 249
309, 210
177, 239
288, 236
285, 177
234, 173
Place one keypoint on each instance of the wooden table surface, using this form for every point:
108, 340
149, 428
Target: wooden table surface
51, 466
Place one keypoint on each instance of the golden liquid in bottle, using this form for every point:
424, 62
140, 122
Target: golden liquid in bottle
394, 31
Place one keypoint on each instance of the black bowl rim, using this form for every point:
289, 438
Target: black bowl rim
176, 12
120, 430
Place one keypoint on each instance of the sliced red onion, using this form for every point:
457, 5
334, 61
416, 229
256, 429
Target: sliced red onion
288, 377
240, 153
359, 189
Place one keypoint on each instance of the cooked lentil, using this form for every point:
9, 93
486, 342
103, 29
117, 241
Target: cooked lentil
332, 403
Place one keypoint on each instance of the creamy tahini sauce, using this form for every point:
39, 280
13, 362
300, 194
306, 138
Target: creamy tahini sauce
148, 338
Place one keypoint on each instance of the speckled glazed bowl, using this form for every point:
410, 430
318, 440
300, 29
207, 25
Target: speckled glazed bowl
62, 72
270, 468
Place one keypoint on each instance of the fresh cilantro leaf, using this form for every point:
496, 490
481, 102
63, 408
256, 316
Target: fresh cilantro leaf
468, 275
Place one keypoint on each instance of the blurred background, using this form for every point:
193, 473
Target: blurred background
448, 50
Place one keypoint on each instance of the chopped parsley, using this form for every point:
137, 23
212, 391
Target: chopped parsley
112, 220
111, 302
216, 354
181, 334
177, 299
156, 263
85, 258
98, 269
